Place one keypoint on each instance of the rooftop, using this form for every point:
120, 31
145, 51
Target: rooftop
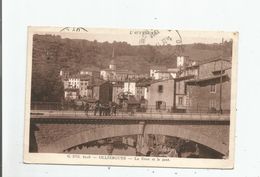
161, 80
112, 62
158, 67
228, 59
206, 79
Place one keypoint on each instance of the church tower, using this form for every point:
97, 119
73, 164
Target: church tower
112, 64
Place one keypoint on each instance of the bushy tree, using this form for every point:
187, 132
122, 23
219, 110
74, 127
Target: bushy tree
46, 87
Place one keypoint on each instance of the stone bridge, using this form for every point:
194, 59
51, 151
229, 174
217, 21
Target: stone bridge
56, 134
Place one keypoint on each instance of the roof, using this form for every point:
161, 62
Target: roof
124, 71
85, 77
158, 67
74, 76
207, 61
192, 66
71, 89
228, 59
206, 79
164, 80
184, 77
107, 69
118, 84
112, 62
223, 69
97, 82
142, 84
172, 70
166, 71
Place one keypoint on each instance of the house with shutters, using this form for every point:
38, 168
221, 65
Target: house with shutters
204, 87
160, 95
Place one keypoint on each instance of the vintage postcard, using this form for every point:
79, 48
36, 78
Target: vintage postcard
130, 97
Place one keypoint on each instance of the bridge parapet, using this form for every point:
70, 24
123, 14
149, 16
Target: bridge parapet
124, 116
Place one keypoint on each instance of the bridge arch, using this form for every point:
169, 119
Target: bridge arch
209, 139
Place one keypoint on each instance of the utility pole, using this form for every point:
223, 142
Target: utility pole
220, 86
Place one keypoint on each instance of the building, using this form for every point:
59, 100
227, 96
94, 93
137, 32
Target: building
160, 95
112, 65
71, 93
105, 92
110, 72
173, 72
163, 73
71, 87
83, 83
183, 61
130, 87
74, 82
206, 88
141, 91
121, 75
95, 92
83, 88
90, 71
155, 71
93, 89
118, 88
66, 83
64, 73
181, 100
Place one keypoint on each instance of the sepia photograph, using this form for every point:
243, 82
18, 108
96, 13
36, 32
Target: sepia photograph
130, 97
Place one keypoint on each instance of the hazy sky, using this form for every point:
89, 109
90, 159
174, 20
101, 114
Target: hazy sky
138, 36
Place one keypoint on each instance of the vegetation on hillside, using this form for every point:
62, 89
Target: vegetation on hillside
52, 53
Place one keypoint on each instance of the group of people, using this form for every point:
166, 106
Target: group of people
100, 109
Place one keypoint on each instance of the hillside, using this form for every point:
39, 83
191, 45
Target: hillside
52, 51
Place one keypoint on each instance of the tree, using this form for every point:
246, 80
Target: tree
46, 87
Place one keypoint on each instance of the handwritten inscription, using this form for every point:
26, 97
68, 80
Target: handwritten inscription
151, 33
170, 37
145, 34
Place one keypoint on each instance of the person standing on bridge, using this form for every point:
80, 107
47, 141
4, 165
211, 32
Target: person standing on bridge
114, 110
86, 108
110, 109
96, 108
100, 107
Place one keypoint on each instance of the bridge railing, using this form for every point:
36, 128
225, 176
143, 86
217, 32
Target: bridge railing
150, 111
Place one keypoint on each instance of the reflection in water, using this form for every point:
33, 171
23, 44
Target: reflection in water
147, 145
33, 147
110, 146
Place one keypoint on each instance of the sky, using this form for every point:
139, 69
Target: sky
138, 36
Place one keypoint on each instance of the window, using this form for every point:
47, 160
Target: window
158, 104
218, 72
212, 104
161, 105
213, 88
180, 100
188, 102
160, 88
178, 87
